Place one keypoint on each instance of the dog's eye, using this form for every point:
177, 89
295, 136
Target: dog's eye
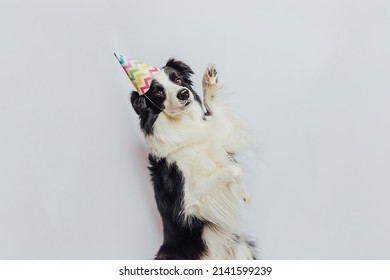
178, 81
158, 93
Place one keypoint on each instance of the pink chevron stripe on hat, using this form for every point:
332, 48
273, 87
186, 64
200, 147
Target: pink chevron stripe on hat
140, 74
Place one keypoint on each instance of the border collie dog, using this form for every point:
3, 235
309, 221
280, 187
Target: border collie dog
198, 186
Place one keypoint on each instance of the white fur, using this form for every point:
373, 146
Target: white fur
214, 190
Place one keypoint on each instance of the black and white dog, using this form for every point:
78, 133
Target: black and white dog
198, 185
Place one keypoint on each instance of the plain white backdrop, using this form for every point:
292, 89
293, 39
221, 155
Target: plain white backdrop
310, 77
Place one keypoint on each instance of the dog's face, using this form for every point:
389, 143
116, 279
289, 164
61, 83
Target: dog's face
170, 92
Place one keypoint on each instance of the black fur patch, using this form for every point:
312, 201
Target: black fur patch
154, 100
182, 240
147, 115
180, 69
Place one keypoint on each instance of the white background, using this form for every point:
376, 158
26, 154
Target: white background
310, 77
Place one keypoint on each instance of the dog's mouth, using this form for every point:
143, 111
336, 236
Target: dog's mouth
185, 104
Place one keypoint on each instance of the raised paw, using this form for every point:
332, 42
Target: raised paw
210, 77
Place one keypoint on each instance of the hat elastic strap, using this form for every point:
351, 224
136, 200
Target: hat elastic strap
153, 103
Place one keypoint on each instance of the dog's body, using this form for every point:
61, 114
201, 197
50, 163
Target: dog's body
197, 183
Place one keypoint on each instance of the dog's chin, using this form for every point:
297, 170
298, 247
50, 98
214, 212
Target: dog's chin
186, 105
182, 108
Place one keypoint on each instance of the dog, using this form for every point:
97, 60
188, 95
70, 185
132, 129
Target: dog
198, 186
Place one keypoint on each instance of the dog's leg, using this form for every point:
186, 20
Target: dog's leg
232, 133
219, 198
210, 87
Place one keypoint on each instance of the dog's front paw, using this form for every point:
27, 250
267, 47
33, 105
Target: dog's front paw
210, 77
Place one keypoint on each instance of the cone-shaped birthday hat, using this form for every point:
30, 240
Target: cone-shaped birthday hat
139, 73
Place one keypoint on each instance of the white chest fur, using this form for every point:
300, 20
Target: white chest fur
214, 190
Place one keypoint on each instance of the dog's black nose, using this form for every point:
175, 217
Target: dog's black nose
184, 94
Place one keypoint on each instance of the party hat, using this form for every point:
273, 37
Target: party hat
139, 73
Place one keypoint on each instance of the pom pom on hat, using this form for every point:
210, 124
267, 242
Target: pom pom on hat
139, 73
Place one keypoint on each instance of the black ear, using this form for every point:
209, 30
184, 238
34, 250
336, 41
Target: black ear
138, 102
181, 67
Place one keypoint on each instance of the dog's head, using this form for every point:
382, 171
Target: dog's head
170, 93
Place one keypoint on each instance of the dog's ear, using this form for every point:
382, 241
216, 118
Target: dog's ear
138, 102
181, 67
